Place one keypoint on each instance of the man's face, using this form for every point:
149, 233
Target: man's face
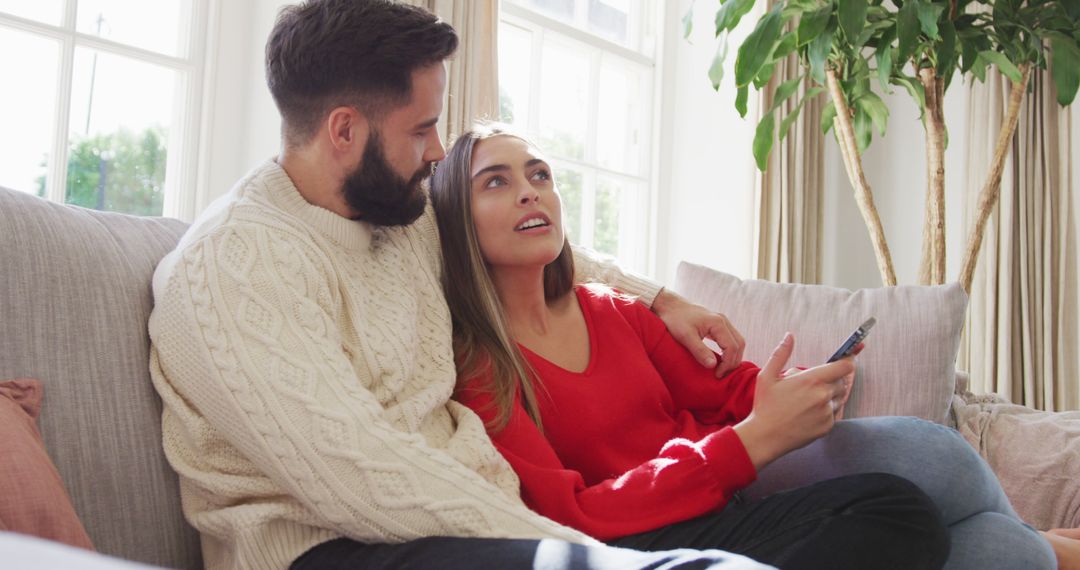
386, 189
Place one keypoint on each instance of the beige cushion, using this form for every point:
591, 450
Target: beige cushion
74, 302
908, 367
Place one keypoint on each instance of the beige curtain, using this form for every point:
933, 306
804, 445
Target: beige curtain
789, 194
472, 81
1020, 339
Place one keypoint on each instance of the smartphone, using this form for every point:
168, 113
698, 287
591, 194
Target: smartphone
853, 340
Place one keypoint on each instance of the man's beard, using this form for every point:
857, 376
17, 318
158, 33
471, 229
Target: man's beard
380, 196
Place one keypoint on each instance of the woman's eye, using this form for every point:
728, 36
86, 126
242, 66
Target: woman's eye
496, 181
542, 175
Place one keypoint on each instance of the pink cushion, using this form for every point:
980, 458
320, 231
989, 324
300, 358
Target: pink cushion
32, 496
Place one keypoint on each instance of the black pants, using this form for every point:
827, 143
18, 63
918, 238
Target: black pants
872, 521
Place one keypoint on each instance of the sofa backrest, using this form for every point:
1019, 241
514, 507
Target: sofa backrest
74, 302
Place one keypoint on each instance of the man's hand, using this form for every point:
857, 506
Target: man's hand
689, 324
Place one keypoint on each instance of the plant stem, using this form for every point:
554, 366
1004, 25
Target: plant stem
990, 190
932, 266
863, 196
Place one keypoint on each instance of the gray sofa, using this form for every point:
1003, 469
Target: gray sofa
73, 310
75, 298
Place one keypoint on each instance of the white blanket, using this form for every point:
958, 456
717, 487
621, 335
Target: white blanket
1035, 454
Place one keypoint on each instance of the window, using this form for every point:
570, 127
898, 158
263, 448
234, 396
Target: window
101, 101
578, 77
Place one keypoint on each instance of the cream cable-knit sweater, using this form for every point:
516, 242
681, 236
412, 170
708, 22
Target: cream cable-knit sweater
305, 365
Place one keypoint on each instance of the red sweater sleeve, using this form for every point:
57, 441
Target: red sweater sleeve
722, 401
686, 479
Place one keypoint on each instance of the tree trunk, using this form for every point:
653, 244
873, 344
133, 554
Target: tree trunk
932, 265
989, 194
845, 132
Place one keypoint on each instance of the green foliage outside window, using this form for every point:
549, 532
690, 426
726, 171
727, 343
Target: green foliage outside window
120, 171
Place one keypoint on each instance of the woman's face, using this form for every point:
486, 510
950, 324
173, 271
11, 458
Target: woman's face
515, 205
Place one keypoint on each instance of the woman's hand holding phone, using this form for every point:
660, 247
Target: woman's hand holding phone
792, 410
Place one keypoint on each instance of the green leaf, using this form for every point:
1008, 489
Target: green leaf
978, 68
763, 76
928, 18
813, 24
947, 50
763, 140
907, 30
915, 89
786, 46
884, 67
785, 90
754, 52
730, 13
716, 70
688, 22
828, 115
875, 107
863, 130
1065, 68
785, 125
968, 53
740, 100
1072, 8
852, 15
818, 53
997, 58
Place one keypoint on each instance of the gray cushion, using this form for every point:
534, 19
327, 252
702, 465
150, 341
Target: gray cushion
909, 365
73, 310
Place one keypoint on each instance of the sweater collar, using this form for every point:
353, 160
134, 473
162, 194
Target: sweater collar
350, 234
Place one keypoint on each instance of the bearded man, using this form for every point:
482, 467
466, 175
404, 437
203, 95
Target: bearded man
301, 342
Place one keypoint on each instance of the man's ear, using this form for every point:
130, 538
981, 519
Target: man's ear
348, 130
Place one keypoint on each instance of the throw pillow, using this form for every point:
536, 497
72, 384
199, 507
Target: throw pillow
33, 500
909, 365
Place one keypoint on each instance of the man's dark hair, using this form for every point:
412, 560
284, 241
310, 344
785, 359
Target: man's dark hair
327, 53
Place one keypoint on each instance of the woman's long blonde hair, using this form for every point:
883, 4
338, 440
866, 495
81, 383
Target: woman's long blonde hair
482, 340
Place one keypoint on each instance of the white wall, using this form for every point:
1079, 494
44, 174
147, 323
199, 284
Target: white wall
896, 171
705, 207
244, 124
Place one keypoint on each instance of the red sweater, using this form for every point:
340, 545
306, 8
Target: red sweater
639, 440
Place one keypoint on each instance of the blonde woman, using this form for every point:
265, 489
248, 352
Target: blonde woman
615, 430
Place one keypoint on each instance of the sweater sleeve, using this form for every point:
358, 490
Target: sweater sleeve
246, 342
686, 479
693, 387
592, 266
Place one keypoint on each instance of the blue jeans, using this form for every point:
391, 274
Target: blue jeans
985, 530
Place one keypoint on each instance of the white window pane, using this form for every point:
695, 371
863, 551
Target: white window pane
47, 11
564, 101
158, 25
610, 19
620, 118
569, 183
27, 105
608, 209
515, 63
559, 9
119, 133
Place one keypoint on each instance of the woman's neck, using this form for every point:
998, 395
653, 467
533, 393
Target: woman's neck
521, 292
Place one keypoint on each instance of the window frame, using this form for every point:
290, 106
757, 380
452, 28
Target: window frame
182, 166
637, 217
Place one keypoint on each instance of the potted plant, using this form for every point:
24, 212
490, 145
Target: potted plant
846, 47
